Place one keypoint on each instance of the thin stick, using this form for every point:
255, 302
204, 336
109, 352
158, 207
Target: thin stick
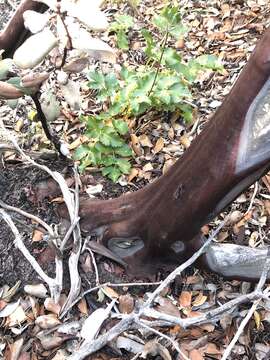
251, 311
256, 187
94, 264
29, 216
183, 266
103, 285
20, 245
174, 343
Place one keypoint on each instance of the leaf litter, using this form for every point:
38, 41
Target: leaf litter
230, 31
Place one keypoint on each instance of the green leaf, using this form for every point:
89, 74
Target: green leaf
112, 172
120, 126
165, 81
163, 96
108, 160
126, 21
123, 165
178, 92
84, 163
96, 80
116, 141
187, 112
12, 103
105, 139
150, 49
124, 151
122, 40
111, 82
169, 20
81, 152
16, 81
171, 57
209, 62
102, 149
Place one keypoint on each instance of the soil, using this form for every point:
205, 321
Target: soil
16, 182
20, 187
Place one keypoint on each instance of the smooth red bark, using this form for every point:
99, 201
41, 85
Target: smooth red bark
161, 223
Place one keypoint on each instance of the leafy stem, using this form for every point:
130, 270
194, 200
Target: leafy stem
163, 44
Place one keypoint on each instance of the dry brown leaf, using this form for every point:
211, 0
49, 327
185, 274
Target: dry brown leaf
195, 355
267, 206
19, 125
8, 91
227, 25
222, 236
75, 144
193, 314
184, 140
242, 222
34, 307
159, 146
110, 292
171, 133
185, 299
82, 306
207, 327
205, 230
136, 145
49, 342
51, 306
58, 200
235, 217
257, 318
199, 300
167, 307
226, 11
37, 236
147, 167
175, 330
37, 290
145, 141
153, 348
212, 349
126, 304
15, 349
167, 165
196, 332
76, 65
180, 43
25, 356
235, 55
266, 181
133, 173
217, 35
47, 321
17, 317
3, 304
194, 279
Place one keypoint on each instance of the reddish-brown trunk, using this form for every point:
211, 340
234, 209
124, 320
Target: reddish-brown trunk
157, 224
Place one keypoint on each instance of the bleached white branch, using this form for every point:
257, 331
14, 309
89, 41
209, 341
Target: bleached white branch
250, 313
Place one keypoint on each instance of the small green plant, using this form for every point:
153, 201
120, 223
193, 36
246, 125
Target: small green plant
163, 84
120, 27
107, 148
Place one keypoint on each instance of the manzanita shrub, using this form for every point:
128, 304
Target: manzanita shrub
163, 84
